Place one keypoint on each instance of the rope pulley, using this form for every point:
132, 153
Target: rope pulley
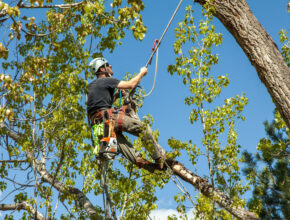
153, 50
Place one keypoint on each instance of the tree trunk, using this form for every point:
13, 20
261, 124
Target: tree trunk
260, 48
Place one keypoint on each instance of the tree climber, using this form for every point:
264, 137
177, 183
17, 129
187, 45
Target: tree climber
101, 95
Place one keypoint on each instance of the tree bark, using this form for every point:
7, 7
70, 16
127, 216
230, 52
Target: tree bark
260, 49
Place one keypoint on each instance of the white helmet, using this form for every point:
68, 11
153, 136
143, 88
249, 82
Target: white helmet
96, 63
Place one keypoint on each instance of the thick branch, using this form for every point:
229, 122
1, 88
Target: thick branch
10, 133
208, 190
22, 206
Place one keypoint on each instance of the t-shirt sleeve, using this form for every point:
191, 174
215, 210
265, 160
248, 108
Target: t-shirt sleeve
112, 83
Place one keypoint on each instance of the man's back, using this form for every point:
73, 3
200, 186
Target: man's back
100, 94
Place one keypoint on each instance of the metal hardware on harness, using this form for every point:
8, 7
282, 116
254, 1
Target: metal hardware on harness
106, 148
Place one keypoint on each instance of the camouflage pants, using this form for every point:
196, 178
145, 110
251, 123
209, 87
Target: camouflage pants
137, 128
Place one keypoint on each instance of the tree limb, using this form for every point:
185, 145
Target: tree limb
207, 190
10, 133
22, 206
31, 34
63, 6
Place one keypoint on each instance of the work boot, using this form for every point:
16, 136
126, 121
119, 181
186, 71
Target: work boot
160, 162
143, 163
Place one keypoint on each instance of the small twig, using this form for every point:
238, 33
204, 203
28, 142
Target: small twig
20, 184
55, 207
40, 118
67, 209
14, 161
11, 193
4, 19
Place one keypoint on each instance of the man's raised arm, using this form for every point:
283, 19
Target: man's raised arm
132, 83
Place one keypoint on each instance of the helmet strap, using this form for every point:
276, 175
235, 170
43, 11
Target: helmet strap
106, 72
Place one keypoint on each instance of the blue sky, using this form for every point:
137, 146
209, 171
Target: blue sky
166, 104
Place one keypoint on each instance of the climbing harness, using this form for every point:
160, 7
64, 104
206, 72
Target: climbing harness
103, 129
104, 136
108, 144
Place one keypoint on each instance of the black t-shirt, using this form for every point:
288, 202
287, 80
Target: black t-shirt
100, 94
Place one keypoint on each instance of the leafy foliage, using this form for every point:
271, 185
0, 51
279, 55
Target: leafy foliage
194, 65
43, 87
285, 50
268, 171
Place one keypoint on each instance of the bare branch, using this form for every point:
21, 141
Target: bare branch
44, 144
126, 196
22, 185
35, 35
4, 19
31, 34
63, 6
19, 3
50, 111
23, 206
13, 161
